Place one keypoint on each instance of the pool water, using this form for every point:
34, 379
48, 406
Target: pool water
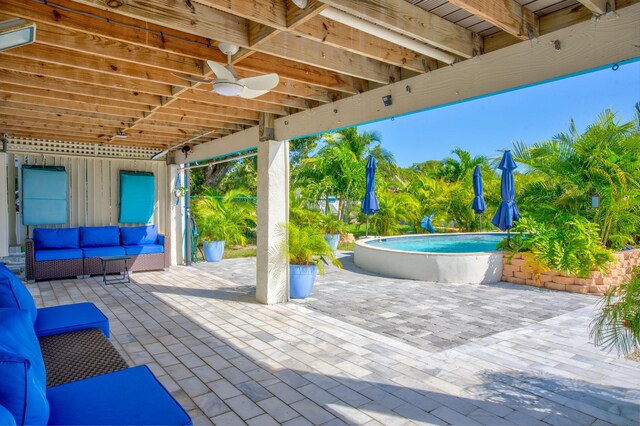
446, 243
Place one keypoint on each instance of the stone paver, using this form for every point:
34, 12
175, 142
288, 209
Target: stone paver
338, 357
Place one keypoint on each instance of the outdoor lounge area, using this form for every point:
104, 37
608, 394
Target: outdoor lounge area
129, 130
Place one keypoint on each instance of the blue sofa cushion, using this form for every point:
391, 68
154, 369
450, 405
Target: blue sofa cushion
14, 294
68, 318
63, 254
133, 396
103, 251
6, 418
53, 239
144, 249
99, 236
23, 384
138, 235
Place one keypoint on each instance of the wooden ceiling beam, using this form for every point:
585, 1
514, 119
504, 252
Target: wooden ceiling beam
194, 125
63, 72
53, 94
70, 117
211, 121
598, 7
412, 21
183, 110
272, 13
82, 115
49, 83
69, 105
212, 99
57, 126
508, 15
270, 98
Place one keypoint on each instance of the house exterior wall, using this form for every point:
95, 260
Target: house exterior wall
93, 189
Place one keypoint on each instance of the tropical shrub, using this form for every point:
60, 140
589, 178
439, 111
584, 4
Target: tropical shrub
618, 324
570, 245
330, 224
306, 246
226, 217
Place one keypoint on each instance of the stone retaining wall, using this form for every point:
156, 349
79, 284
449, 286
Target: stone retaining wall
516, 271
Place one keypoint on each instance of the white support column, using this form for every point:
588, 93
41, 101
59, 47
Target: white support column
272, 284
175, 219
4, 199
11, 193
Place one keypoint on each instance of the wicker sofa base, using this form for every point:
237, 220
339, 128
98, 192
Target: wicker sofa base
50, 269
147, 262
78, 355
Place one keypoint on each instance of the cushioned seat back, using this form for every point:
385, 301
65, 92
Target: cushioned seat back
14, 294
138, 235
53, 239
23, 383
99, 236
6, 418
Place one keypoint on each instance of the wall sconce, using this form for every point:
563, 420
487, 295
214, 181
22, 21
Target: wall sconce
595, 200
386, 100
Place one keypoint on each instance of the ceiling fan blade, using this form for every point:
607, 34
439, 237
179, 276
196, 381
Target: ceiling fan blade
221, 71
261, 82
193, 79
251, 93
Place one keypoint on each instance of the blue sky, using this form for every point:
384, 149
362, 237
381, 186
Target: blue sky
486, 125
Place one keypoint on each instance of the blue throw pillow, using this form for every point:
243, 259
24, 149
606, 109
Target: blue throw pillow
57, 238
23, 387
99, 236
14, 294
6, 418
136, 235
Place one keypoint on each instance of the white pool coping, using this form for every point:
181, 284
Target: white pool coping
472, 268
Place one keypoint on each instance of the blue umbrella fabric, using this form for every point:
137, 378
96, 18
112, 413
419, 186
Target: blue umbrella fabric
427, 223
370, 202
478, 205
507, 211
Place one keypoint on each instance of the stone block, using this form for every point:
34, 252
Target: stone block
523, 275
598, 289
518, 262
534, 283
555, 286
517, 280
574, 288
564, 280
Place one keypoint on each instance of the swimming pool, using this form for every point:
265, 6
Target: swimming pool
450, 258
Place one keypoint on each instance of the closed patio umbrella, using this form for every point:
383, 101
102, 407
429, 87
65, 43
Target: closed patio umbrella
507, 211
478, 205
370, 202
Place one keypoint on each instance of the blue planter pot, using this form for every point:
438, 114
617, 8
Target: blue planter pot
301, 280
333, 240
213, 250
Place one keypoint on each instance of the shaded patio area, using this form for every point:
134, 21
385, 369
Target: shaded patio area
229, 360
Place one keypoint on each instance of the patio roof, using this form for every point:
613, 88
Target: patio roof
99, 68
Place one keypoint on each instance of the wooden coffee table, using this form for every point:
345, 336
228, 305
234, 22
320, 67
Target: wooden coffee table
105, 260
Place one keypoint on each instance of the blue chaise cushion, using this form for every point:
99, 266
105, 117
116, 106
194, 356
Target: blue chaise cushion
68, 318
62, 254
137, 235
144, 249
133, 396
14, 294
103, 251
53, 239
23, 383
6, 418
99, 236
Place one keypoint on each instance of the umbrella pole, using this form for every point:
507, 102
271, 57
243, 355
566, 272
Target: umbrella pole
366, 234
480, 222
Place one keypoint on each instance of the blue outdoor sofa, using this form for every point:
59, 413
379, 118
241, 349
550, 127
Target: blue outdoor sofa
73, 252
131, 396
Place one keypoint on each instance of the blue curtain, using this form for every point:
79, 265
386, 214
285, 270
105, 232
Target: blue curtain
44, 195
137, 197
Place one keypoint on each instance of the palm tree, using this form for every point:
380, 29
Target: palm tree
453, 170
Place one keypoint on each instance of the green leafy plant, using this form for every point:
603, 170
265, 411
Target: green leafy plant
330, 224
225, 217
618, 324
570, 245
306, 246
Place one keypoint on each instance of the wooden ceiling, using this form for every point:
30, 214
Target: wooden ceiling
103, 67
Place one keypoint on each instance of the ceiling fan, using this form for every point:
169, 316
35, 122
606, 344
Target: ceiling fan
227, 83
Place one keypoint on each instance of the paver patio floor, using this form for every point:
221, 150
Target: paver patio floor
334, 360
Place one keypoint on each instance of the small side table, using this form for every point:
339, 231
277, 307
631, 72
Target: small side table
105, 260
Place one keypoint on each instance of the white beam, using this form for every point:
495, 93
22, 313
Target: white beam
272, 270
175, 218
4, 199
583, 46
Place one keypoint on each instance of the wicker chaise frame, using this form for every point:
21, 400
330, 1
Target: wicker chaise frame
51, 269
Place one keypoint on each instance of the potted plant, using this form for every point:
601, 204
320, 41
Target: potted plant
332, 227
307, 253
222, 219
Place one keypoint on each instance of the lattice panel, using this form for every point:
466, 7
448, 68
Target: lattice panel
40, 146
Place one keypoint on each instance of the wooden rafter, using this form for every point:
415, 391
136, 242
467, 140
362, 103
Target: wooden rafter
508, 15
599, 7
